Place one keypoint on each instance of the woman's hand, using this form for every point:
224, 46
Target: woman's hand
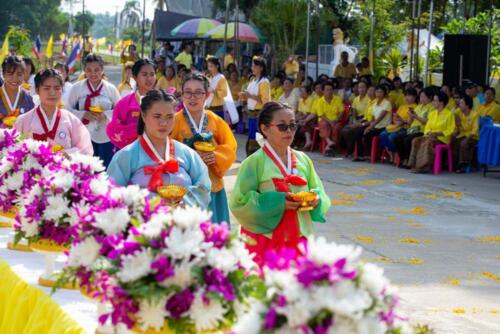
207, 157
314, 203
290, 203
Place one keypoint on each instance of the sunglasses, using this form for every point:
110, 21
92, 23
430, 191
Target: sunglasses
284, 127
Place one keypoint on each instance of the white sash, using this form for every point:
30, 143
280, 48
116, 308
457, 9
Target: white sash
288, 167
11, 106
197, 128
229, 104
155, 152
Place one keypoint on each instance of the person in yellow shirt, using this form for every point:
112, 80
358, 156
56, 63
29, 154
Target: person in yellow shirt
451, 101
218, 89
169, 80
418, 119
160, 67
317, 91
365, 68
400, 122
397, 95
291, 67
185, 57
305, 117
132, 56
345, 69
438, 130
357, 121
490, 107
257, 93
276, 88
329, 109
468, 134
235, 84
229, 59
127, 86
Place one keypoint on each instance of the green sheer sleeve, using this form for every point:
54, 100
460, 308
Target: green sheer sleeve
256, 211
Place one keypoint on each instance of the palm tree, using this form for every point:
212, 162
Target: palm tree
160, 4
130, 16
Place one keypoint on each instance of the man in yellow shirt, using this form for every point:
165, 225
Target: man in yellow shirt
468, 134
185, 57
291, 67
490, 107
365, 68
345, 69
329, 109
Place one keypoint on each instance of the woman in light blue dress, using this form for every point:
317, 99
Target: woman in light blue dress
154, 159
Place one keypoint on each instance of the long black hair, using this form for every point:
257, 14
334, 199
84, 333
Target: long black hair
12, 63
43, 75
197, 77
152, 97
214, 61
139, 64
261, 62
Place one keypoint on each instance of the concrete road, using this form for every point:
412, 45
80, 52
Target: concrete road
437, 237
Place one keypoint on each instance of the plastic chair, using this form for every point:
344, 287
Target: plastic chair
374, 151
437, 158
322, 143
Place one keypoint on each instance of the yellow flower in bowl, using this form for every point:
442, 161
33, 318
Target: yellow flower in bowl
305, 197
172, 192
56, 148
96, 108
9, 121
26, 86
204, 146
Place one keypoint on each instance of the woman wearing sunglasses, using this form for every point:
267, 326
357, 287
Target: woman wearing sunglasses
154, 160
262, 199
210, 136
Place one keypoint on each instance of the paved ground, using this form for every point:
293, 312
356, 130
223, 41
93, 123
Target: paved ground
438, 237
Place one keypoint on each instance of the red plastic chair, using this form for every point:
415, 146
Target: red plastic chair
437, 158
322, 143
374, 151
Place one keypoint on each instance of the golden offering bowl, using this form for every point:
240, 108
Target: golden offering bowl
97, 109
56, 148
9, 121
305, 198
172, 192
26, 86
204, 146
60, 105
46, 245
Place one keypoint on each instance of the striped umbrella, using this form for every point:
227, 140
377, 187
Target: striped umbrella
246, 33
194, 28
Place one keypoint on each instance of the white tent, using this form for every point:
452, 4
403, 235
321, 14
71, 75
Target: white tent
405, 46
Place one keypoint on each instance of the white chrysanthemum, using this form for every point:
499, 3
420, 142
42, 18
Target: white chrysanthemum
297, 313
100, 185
206, 316
152, 315
15, 181
252, 321
182, 244
33, 145
349, 301
323, 252
131, 195
373, 279
29, 229
190, 216
94, 163
223, 259
56, 208
283, 280
182, 277
5, 166
155, 225
77, 210
371, 325
342, 325
84, 253
35, 191
112, 221
31, 162
135, 266
62, 180
244, 257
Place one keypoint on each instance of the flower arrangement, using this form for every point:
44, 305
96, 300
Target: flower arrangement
57, 189
163, 269
323, 289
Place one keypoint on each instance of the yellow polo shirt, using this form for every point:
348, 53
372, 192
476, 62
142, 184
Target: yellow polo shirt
441, 122
330, 111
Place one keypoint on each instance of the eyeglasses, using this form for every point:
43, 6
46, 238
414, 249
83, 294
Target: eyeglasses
284, 127
189, 95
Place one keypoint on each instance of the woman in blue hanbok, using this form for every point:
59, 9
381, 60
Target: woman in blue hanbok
155, 160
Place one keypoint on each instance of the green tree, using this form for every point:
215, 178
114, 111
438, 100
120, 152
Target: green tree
284, 27
103, 26
246, 6
133, 33
83, 22
19, 38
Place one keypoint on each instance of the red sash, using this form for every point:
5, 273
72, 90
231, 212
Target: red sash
47, 134
287, 233
157, 171
88, 99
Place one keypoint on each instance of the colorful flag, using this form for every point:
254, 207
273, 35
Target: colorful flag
50, 45
64, 46
73, 57
4, 52
36, 47
110, 48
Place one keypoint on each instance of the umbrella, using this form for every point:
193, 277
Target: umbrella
194, 28
246, 33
